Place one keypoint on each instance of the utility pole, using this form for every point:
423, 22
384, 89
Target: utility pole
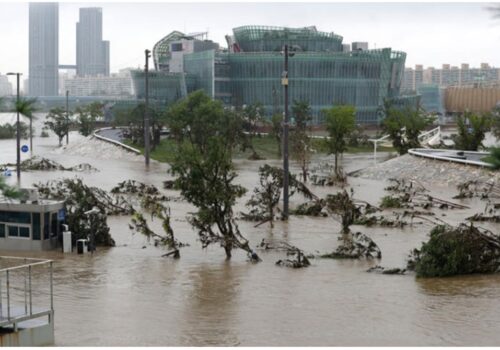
18, 133
67, 117
146, 114
284, 82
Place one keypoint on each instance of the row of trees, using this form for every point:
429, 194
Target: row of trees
58, 121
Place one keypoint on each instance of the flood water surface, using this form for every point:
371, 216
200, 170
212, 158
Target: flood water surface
130, 295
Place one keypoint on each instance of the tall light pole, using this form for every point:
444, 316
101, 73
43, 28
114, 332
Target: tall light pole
284, 82
18, 132
67, 117
146, 114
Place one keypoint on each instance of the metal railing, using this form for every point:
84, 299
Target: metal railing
20, 282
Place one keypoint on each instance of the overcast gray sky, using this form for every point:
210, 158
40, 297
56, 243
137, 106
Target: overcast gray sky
430, 33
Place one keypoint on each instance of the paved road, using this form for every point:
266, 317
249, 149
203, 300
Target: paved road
113, 134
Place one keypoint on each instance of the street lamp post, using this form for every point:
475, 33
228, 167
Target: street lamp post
67, 117
146, 114
284, 82
18, 132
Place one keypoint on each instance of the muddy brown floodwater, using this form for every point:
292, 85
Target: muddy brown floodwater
131, 296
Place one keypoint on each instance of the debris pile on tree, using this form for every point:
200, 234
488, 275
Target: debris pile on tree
464, 249
79, 199
151, 201
136, 188
295, 256
384, 271
476, 188
324, 174
411, 194
266, 196
355, 246
312, 208
36, 163
491, 213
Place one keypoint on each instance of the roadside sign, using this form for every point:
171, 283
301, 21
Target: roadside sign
24, 148
61, 215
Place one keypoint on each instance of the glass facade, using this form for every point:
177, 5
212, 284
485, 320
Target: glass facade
250, 71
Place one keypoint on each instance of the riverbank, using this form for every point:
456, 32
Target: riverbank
266, 146
427, 171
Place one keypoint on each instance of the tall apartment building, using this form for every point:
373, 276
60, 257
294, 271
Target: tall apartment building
5, 86
43, 49
449, 75
92, 53
413, 78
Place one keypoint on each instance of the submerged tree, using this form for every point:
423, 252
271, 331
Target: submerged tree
206, 135
58, 123
301, 142
340, 123
472, 129
266, 197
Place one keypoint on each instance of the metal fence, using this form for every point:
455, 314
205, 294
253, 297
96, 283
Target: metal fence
26, 290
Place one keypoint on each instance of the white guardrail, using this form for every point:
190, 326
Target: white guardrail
118, 143
441, 155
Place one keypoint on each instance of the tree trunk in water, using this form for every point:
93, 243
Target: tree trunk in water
304, 174
228, 248
336, 160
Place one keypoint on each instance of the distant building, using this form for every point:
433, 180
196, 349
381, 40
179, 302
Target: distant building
431, 98
43, 49
5, 86
449, 75
359, 45
92, 53
250, 71
117, 85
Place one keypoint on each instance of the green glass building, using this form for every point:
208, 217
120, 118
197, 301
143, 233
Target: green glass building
250, 70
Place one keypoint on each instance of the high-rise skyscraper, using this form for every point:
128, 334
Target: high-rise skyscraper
92, 53
43, 49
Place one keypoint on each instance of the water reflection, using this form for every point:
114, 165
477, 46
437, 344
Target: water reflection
211, 308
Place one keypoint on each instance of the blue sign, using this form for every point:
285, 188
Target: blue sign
61, 215
24, 148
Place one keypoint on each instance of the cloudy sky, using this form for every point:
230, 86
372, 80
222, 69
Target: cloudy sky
430, 33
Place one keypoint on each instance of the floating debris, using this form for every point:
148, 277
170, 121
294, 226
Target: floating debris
44, 164
480, 189
355, 246
384, 271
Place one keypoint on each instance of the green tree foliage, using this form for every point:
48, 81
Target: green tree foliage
493, 158
277, 130
251, 117
57, 122
404, 126
8, 131
300, 140
458, 250
134, 120
8, 191
206, 135
27, 107
472, 129
340, 123
87, 116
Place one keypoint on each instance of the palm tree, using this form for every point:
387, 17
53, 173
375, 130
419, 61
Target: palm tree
27, 107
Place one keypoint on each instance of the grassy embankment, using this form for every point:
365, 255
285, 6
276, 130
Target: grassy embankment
266, 146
